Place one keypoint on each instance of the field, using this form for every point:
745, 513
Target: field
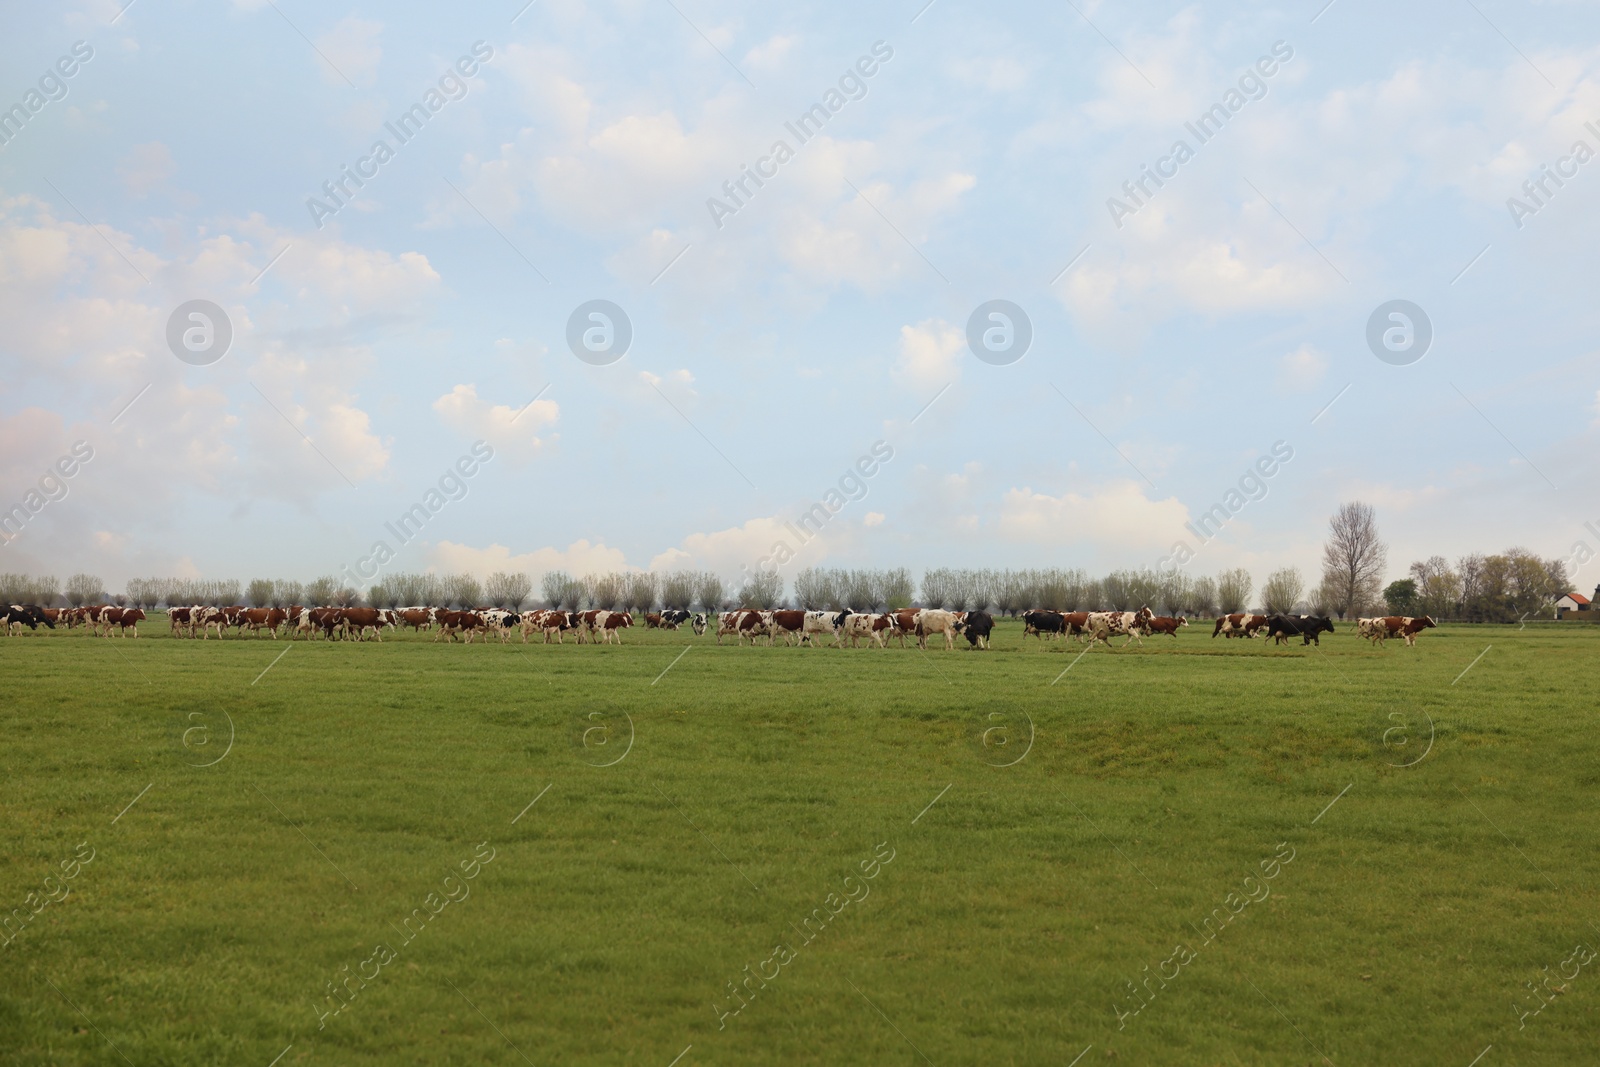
1335, 854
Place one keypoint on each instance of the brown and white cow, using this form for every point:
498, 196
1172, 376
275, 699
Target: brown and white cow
1406, 627
1239, 625
785, 623
875, 628
608, 625
1166, 624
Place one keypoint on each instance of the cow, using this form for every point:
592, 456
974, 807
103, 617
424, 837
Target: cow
652, 620
903, 624
1372, 629
610, 624
1309, 627
934, 621
129, 619
1239, 625
256, 618
698, 624
1166, 624
1040, 622
554, 622
1104, 625
1406, 627
875, 628
460, 622
824, 622
418, 619
672, 618
977, 627
784, 623
30, 615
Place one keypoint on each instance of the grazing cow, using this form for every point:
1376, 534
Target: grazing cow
1309, 627
698, 624
977, 626
1039, 622
934, 621
875, 628
1166, 624
1406, 627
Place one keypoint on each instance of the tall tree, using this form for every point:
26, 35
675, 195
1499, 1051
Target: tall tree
1233, 590
1354, 558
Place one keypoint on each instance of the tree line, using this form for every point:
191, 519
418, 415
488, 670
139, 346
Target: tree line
1504, 587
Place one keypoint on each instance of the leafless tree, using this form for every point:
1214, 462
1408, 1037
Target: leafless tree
1233, 590
286, 592
260, 592
761, 589
463, 591
1353, 559
708, 592
606, 590
346, 597
320, 592
553, 587
1282, 590
641, 591
506, 590
84, 589
677, 589
1202, 597
897, 590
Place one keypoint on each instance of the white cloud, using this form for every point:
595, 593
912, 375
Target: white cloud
930, 353
516, 430
873, 518
1301, 369
769, 54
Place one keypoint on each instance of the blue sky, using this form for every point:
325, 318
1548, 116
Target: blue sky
771, 351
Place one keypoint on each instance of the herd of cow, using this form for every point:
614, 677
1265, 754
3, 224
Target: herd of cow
601, 626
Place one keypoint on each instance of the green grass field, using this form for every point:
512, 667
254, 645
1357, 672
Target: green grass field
1011, 908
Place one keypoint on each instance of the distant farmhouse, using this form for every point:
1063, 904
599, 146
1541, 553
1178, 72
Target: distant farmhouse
1575, 602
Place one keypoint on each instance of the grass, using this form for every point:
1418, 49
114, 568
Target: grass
1019, 903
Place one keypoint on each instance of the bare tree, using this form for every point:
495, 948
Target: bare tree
553, 587
677, 589
641, 591
346, 597
1233, 590
260, 592
761, 589
1202, 597
708, 592
286, 592
507, 590
606, 590
1282, 590
320, 592
463, 590
1438, 587
84, 589
896, 590
1353, 558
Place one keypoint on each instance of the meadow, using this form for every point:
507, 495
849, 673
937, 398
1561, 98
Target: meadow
1203, 851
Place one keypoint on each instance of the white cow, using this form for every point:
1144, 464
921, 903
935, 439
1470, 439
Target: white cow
935, 621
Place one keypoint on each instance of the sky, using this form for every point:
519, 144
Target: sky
1199, 218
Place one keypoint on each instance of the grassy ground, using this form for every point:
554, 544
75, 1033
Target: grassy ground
1010, 910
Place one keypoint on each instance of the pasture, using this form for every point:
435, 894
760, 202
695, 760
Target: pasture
1427, 815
